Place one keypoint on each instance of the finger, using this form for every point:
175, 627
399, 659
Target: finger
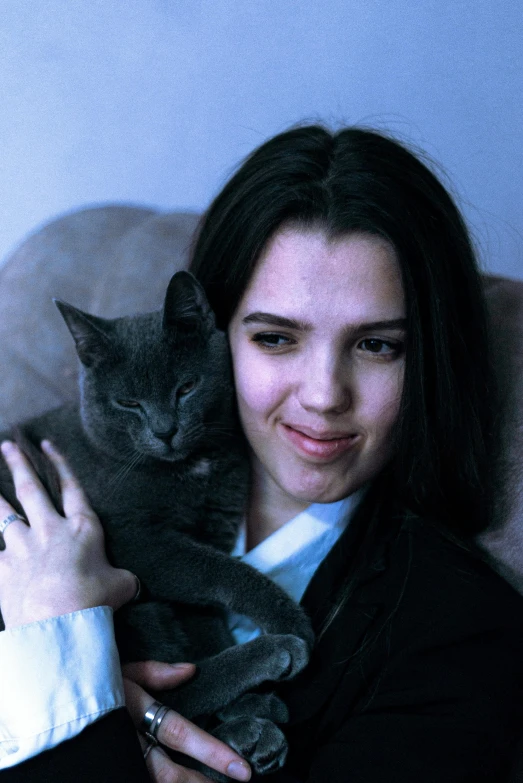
157, 675
180, 734
12, 522
29, 490
74, 500
163, 770
5, 507
9, 517
128, 587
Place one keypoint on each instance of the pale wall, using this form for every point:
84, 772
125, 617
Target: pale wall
154, 101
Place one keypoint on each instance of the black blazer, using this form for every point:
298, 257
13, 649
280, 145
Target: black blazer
418, 677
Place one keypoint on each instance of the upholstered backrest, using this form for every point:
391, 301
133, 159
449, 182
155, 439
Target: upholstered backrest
113, 260
110, 261
504, 541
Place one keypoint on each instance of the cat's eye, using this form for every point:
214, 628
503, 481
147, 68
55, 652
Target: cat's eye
128, 403
186, 388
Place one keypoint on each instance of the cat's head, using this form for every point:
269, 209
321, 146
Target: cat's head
154, 385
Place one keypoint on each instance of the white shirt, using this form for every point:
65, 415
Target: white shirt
291, 555
61, 674
57, 676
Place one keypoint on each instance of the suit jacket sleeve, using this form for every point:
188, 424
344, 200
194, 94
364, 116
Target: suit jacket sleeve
107, 751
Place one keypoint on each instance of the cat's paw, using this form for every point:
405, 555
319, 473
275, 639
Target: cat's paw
257, 740
304, 631
261, 705
291, 656
288, 617
276, 656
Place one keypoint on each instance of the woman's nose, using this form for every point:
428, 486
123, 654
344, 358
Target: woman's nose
325, 388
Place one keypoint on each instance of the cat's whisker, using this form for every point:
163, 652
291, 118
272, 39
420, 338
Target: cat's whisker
220, 433
121, 474
219, 428
194, 432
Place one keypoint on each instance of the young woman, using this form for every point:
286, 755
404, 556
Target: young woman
344, 275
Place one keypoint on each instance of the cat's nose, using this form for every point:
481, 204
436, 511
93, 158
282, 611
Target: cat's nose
165, 435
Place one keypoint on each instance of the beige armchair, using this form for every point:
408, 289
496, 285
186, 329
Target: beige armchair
113, 260
116, 259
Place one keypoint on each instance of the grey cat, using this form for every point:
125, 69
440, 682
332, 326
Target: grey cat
156, 445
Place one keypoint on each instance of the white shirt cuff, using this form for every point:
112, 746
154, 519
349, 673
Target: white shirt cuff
57, 676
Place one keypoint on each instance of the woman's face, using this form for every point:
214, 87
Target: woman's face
317, 347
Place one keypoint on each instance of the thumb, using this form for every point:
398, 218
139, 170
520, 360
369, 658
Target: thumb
157, 675
122, 587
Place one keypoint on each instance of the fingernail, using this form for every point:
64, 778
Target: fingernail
180, 667
239, 770
46, 445
7, 447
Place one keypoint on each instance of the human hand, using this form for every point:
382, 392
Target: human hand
176, 732
55, 564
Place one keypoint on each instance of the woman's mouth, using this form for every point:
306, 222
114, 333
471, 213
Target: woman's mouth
323, 447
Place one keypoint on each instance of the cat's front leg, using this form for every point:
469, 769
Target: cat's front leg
222, 678
150, 631
183, 570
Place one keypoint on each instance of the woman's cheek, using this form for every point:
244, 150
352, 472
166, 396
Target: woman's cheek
380, 395
258, 387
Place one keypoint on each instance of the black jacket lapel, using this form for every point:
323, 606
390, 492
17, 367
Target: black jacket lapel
307, 693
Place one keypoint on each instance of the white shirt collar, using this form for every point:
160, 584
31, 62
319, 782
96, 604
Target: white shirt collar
291, 554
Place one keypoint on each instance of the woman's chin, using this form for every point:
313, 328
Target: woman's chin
316, 489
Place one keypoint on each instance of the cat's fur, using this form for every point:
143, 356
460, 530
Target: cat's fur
168, 478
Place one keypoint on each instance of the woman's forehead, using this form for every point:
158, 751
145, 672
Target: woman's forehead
303, 270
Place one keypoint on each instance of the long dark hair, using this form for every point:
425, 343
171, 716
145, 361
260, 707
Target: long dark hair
361, 180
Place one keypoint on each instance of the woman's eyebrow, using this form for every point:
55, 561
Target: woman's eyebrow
270, 319
370, 326
276, 320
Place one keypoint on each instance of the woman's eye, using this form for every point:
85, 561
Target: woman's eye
271, 340
128, 403
186, 388
380, 347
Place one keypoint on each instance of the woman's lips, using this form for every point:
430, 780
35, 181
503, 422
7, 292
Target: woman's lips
324, 448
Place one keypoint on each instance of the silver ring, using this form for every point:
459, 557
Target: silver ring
152, 719
4, 524
148, 749
138, 589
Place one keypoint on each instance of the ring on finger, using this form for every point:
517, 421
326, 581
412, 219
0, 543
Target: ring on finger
150, 745
152, 720
4, 524
137, 596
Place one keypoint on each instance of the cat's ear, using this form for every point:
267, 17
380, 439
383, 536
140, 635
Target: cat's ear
89, 333
186, 304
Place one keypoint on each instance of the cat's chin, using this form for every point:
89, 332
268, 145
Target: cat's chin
173, 457
167, 456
